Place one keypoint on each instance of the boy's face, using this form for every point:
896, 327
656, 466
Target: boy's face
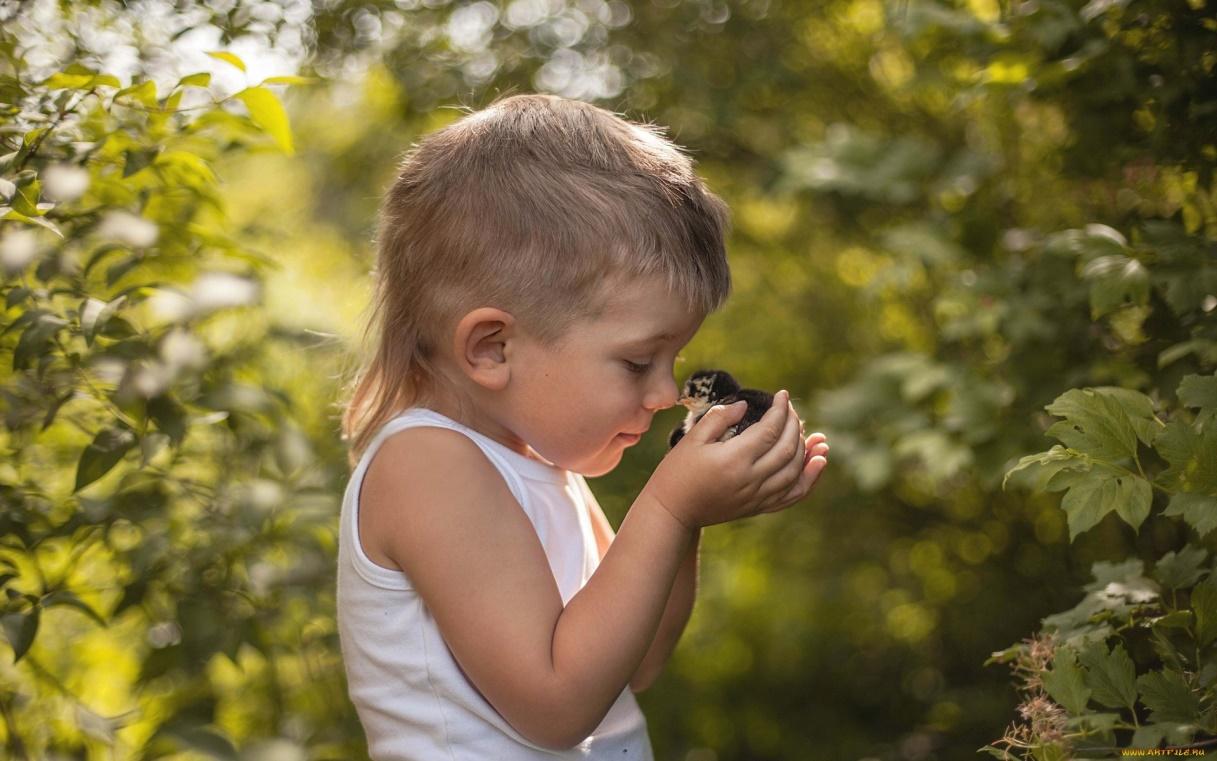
574, 404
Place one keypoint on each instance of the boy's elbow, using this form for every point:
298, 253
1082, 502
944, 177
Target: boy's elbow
556, 724
559, 737
557, 744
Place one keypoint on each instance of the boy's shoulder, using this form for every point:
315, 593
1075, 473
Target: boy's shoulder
420, 474
426, 455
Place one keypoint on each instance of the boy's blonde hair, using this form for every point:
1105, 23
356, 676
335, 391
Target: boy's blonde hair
536, 205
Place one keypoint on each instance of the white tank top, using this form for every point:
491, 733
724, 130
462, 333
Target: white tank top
412, 698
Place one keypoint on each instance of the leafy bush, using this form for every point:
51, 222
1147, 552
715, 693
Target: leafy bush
150, 449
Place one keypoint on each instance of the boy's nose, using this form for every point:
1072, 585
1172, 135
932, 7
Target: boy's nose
664, 396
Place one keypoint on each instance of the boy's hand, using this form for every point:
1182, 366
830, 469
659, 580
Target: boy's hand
766, 468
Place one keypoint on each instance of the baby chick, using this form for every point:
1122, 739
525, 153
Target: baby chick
706, 388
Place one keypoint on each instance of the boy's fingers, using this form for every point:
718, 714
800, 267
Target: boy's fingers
716, 421
801, 488
762, 435
815, 446
784, 459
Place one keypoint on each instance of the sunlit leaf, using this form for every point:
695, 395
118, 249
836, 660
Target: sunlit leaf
269, 114
290, 79
230, 58
65, 597
106, 450
142, 92
201, 79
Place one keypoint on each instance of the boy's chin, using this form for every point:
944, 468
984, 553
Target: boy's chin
600, 465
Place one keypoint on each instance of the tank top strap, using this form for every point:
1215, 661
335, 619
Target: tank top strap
500, 454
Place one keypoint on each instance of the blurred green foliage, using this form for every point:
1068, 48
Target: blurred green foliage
951, 220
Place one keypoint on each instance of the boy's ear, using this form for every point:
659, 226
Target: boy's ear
479, 343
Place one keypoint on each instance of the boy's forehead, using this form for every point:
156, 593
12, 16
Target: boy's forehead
636, 309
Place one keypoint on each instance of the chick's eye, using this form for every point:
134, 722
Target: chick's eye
634, 367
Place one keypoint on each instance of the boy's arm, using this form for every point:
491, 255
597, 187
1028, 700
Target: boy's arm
447, 518
679, 606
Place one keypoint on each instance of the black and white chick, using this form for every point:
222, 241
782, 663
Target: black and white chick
706, 388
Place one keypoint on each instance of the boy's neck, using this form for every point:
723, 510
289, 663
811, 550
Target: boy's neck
469, 416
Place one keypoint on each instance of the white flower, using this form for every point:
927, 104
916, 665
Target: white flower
170, 306
216, 290
181, 350
125, 227
17, 249
64, 182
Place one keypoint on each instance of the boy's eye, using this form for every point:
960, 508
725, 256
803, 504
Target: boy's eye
634, 367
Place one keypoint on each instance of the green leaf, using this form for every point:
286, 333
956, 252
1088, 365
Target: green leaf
16, 296
169, 416
1181, 569
53, 408
1152, 735
115, 272
1065, 683
1094, 423
1166, 649
1139, 408
37, 338
227, 57
143, 92
1110, 675
1094, 493
17, 216
25, 199
290, 79
137, 159
1168, 697
68, 80
187, 168
1198, 510
104, 453
201, 79
1046, 464
1096, 721
1133, 500
1203, 348
20, 629
151, 445
268, 113
1192, 458
1176, 619
94, 315
1204, 603
1198, 391
65, 597
1115, 280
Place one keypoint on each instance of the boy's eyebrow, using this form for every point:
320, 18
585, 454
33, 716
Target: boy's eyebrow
649, 339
